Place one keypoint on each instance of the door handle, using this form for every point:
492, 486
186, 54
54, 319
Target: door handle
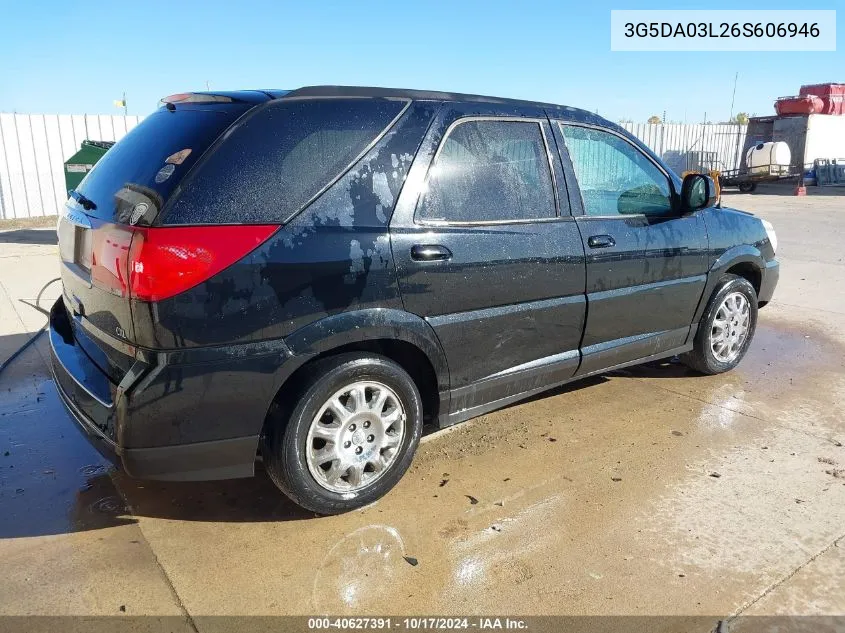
601, 241
429, 252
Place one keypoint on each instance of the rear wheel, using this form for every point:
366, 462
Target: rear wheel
726, 328
747, 187
349, 437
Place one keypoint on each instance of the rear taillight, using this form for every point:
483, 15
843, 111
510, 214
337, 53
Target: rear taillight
164, 261
107, 249
155, 263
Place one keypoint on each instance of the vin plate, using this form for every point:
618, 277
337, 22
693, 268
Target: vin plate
722, 30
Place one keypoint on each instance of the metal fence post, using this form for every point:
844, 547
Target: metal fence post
8, 175
20, 160
35, 163
49, 163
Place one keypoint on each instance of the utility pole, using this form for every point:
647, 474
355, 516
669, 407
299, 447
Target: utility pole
733, 97
125, 108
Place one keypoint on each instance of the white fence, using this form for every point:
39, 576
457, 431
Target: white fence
34, 147
693, 146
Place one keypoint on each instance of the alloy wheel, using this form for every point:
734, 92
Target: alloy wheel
355, 436
730, 327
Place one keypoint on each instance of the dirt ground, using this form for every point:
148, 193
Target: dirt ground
644, 491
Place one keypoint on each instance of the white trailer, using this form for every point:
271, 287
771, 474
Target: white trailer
811, 136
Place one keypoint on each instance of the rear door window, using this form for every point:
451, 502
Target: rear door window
147, 164
279, 158
490, 171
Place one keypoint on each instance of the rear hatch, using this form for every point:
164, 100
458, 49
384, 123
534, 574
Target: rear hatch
122, 194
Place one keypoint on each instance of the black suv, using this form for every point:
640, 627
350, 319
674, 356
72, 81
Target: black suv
310, 275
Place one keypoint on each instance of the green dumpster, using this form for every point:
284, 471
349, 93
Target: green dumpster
81, 163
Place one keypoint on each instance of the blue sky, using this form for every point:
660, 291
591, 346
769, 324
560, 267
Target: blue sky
77, 57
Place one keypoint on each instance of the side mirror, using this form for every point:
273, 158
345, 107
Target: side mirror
698, 192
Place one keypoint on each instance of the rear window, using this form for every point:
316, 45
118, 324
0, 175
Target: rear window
490, 171
279, 158
141, 171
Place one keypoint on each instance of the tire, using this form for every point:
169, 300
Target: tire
703, 357
747, 187
346, 388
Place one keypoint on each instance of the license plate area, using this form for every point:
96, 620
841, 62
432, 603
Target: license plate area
75, 239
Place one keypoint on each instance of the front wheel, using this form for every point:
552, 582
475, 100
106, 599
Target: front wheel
350, 436
726, 328
747, 187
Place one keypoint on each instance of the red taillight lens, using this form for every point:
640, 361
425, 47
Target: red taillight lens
164, 261
181, 96
195, 97
107, 250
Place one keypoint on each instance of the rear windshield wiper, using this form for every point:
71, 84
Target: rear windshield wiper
86, 203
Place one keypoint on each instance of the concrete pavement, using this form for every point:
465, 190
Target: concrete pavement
645, 491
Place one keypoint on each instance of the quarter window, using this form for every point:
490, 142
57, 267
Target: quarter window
614, 176
272, 163
488, 171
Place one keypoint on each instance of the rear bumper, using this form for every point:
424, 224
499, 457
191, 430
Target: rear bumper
768, 282
200, 461
104, 445
83, 387
109, 414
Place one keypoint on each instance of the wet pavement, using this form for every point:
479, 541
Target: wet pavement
645, 491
